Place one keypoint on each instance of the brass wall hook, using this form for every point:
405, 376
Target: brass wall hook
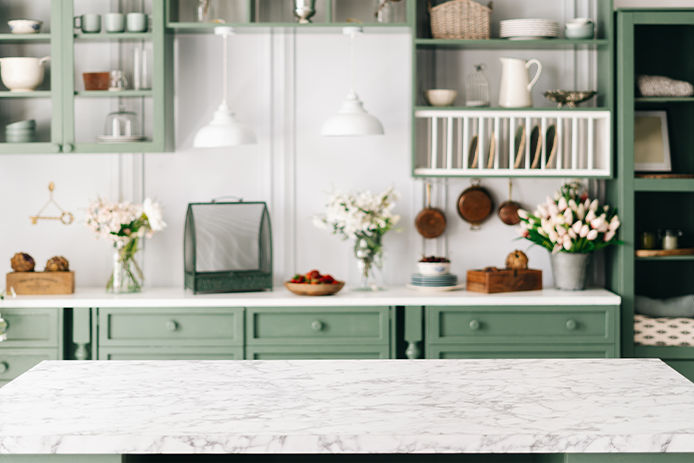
66, 218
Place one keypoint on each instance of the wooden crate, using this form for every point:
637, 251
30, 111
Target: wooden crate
40, 283
503, 280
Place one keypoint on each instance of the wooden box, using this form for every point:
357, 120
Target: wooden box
494, 280
40, 283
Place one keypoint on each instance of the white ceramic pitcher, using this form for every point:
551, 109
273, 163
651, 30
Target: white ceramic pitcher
515, 88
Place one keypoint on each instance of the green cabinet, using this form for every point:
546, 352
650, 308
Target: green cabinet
521, 332
33, 335
69, 119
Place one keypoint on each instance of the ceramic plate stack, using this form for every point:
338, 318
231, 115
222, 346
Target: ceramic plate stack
446, 282
21, 131
528, 29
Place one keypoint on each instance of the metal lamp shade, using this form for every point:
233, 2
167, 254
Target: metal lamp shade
223, 130
352, 120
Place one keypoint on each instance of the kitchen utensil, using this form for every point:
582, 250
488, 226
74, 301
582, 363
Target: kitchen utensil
303, 289
515, 85
26, 124
136, 22
121, 124
579, 29
474, 152
477, 88
535, 146
475, 205
96, 80
430, 222
304, 10
570, 98
492, 151
441, 96
551, 143
22, 74
117, 81
508, 210
89, 23
448, 279
24, 26
519, 143
527, 29
114, 22
433, 268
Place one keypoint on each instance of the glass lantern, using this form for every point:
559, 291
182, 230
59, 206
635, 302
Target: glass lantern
477, 88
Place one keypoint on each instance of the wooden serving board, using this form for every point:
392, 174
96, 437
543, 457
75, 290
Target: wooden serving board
664, 252
642, 175
503, 280
40, 283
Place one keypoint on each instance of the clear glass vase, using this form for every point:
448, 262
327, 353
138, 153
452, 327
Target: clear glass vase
369, 253
390, 11
127, 276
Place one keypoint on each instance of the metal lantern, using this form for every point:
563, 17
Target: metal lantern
477, 88
228, 247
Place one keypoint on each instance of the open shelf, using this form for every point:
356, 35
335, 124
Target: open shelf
545, 44
664, 352
664, 99
497, 108
34, 94
13, 38
115, 94
197, 27
546, 173
667, 258
664, 184
106, 36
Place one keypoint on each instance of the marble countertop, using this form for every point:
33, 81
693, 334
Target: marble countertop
348, 406
280, 297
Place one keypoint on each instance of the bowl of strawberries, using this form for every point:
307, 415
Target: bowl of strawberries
314, 283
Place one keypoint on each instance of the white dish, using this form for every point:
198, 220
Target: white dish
25, 26
436, 289
441, 96
434, 268
124, 139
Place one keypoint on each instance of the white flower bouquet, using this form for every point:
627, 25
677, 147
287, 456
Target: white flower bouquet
123, 224
363, 217
571, 222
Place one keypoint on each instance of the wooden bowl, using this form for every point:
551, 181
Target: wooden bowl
303, 289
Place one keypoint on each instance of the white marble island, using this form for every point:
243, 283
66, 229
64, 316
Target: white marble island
350, 407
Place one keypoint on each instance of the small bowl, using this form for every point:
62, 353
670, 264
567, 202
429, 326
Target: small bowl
303, 289
579, 31
96, 80
25, 124
434, 268
25, 26
441, 96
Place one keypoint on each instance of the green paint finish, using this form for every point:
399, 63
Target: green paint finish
323, 326
629, 458
62, 459
511, 351
32, 327
171, 327
535, 325
14, 362
171, 353
684, 367
327, 352
505, 44
666, 185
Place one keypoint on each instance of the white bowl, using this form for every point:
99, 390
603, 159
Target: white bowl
434, 268
441, 96
25, 26
22, 74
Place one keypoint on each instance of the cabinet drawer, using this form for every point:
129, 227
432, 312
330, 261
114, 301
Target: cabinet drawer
457, 351
32, 327
14, 362
168, 327
521, 324
334, 325
163, 353
322, 352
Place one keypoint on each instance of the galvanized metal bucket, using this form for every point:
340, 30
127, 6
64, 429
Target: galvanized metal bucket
570, 270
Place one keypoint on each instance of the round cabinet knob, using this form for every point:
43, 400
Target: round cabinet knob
571, 325
68, 148
474, 325
56, 148
4, 366
317, 325
172, 325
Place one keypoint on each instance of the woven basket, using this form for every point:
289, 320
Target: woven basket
460, 19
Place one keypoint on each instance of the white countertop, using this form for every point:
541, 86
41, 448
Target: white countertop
280, 297
349, 406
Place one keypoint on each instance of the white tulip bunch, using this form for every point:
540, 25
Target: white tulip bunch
571, 222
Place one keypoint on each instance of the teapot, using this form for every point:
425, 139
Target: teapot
515, 82
22, 74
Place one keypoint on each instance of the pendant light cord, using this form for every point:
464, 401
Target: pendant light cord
225, 71
351, 62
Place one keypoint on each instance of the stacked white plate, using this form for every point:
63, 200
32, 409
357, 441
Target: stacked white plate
527, 29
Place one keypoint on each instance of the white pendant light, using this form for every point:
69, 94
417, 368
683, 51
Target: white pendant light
352, 119
224, 129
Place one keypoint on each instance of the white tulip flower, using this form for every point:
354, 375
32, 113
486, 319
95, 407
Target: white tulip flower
592, 235
584, 231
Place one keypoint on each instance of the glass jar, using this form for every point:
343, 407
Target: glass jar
205, 11
477, 88
390, 11
671, 239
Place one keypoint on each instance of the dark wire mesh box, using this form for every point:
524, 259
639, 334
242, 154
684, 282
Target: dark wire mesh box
227, 247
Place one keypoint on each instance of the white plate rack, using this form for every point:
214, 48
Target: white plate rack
504, 143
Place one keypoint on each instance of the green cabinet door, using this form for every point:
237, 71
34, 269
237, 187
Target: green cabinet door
167, 353
14, 362
32, 328
317, 352
457, 351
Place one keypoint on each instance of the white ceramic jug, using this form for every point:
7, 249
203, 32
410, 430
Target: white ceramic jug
22, 74
515, 88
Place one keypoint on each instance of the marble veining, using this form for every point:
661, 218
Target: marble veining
346, 406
